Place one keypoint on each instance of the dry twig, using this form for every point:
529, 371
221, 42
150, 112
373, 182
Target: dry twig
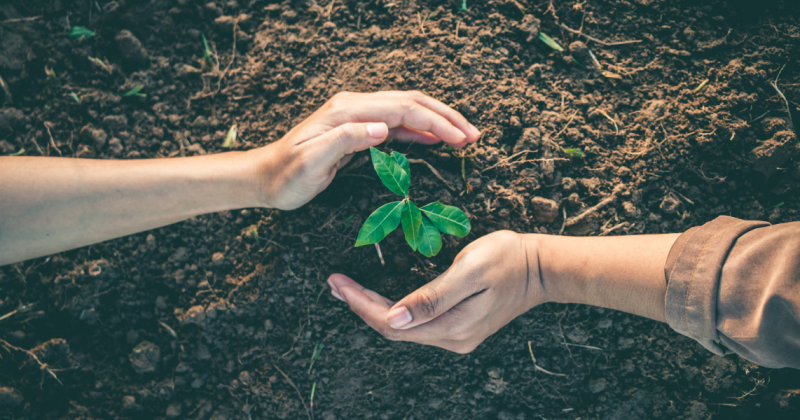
43, 366
288, 379
435, 172
539, 368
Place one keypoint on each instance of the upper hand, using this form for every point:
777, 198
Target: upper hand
492, 281
291, 171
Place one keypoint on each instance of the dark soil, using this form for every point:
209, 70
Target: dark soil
199, 320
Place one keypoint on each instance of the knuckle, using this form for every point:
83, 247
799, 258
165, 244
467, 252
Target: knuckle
462, 335
416, 94
406, 104
429, 301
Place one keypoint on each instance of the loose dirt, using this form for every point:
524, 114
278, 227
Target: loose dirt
200, 320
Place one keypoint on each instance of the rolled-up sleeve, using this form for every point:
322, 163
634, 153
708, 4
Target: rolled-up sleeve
734, 286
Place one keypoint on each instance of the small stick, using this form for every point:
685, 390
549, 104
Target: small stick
564, 224
421, 28
458, 25
169, 330
380, 255
28, 19
608, 44
586, 347
591, 210
539, 368
616, 127
43, 366
41, 152
435, 172
52, 142
288, 379
5, 89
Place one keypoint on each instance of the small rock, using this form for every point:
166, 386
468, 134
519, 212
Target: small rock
10, 118
529, 27
185, 70
151, 242
195, 315
174, 410
597, 385
298, 77
131, 48
218, 258
579, 50
630, 210
115, 147
773, 153
530, 139
546, 210
96, 136
568, 184
515, 122
145, 357
129, 403
573, 201
115, 122
10, 397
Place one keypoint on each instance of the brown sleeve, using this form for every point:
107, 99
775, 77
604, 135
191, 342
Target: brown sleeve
734, 286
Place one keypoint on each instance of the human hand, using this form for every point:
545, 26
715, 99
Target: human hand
492, 281
291, 171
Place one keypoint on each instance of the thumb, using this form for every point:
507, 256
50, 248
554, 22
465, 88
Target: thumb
432, 300
350, 138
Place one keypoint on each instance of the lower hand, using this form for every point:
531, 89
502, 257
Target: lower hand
291, 171
492, 281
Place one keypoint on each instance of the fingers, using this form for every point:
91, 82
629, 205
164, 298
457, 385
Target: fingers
432, 300
408, 135
395, 112
349, 138
455, 117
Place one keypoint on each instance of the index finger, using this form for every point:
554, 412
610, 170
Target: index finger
455, 117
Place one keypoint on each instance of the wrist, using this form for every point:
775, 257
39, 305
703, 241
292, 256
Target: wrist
538, 290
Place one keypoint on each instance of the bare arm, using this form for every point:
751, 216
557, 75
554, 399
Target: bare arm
49, 205
54, 204
504, 274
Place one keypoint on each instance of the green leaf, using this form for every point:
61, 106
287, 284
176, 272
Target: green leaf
135, 92
402, 161
448, 219
431, 241
80, 32
550, 42
412, 222
230, 138
380, 223
21, 151
574, 152
390, 173
463, 6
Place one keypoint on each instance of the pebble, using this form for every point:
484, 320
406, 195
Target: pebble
544, 209
145, 357
131, 48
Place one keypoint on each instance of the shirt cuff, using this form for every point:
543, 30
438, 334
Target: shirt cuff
693, 270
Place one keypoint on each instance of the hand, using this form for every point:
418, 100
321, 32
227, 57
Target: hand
492, 281
291, 171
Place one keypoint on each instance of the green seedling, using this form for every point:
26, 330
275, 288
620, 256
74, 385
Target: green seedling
349, 220
431, 16
101, 64
770, 208
51, 74
75, 97
313, 388
254, 234
207, 53
701, 86
422, 233
463, 6
21, 151
230, 138
578, 63
578, 153
79, 32
136, 91
315, 355
550, 42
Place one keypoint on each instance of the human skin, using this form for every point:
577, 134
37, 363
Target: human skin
49, 205
504, 274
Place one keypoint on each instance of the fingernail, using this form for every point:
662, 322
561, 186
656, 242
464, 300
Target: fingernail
475, 130
336, 294
399, 317
377, 130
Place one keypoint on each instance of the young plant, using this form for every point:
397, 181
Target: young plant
230, 138
136, 91
463, 6
550, 42
422, 233
207, 53
79, 32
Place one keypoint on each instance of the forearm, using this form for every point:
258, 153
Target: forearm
48, 205
625, 273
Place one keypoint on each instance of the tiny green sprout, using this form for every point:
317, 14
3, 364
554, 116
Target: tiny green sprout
578, 63
315, 355
313, 388
51, 74
776, 206
207, 53
136, 91
349, 220
431, 16
79, 32
422, 233
463, 6
75, 97
254, 234
21, 151
550, 42
47, 107
230, 138
578, 153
